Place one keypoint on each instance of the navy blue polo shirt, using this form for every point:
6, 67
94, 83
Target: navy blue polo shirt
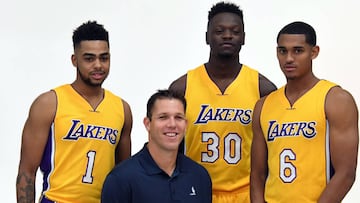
139, 180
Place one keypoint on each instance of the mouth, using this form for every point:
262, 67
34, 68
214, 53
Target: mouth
172, 134
289, 67
226, 44
97, 75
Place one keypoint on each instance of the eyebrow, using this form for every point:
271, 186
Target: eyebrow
295, 47
91, 54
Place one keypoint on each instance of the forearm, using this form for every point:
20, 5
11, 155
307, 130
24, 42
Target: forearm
337, 188
257, 188
25, 188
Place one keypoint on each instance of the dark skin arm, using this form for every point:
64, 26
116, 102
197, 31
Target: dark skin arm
179, 85
34, 138
342, 114
265, 86
123, 149
259, 155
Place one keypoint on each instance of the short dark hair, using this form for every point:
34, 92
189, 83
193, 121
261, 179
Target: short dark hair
223, 7
299, 27
163, 94
89, 30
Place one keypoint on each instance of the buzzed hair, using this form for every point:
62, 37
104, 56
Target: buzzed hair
299, 27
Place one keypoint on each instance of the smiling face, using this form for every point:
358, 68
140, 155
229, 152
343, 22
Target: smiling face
225, 35
92, 60
295, 55
167, 125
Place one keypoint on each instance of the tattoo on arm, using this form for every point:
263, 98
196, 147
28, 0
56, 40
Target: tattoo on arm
25, 188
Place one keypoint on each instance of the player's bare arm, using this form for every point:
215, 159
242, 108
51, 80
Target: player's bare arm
123, 150
342, 115
258, 158
179, 85
265, 86
34, 138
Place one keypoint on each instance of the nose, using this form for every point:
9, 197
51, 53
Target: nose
227, 34
289, 57
97, 63
171, 122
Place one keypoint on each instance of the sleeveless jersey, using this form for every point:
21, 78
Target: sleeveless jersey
298, 145
219, 130
80, 151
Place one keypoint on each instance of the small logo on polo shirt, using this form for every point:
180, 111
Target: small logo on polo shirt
192, 193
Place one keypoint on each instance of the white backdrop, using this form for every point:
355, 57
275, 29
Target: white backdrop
152, 43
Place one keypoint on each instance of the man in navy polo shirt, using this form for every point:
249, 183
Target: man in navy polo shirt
158, 173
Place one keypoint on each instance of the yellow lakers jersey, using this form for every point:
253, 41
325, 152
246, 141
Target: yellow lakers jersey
298, 145
80, 151
219, 133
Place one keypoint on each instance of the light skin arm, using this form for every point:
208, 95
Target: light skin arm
123, 149
265, 86
34, 139
342, 114
259, 167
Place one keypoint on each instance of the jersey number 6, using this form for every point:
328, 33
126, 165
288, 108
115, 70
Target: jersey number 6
287, 169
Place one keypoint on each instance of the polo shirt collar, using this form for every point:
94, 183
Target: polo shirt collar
150, 166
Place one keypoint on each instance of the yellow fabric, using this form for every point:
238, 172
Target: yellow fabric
79, 136
219, 132
297, 144
231, 197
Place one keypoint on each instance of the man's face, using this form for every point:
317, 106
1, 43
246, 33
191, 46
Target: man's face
167, 125
295, 55
92, 60
225, 34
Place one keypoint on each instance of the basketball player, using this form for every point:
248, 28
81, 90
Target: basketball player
306, 133
221, 95
76, 132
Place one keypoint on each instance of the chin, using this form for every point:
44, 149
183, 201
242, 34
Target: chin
226, 55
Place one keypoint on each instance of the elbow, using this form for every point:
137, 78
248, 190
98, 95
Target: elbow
351, 177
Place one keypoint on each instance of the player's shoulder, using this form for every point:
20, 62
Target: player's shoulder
179, 85
339, 94
46, 98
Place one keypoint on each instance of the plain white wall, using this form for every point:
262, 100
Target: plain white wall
152, 43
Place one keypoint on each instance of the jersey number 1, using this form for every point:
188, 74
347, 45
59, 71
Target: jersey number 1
88, 178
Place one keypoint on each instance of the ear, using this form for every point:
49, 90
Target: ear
243, 39
315, 52
74, 60
206, 38
146, 122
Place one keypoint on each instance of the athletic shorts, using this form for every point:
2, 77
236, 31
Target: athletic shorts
231, 197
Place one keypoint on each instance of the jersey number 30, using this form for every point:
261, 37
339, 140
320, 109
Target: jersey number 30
232, 147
